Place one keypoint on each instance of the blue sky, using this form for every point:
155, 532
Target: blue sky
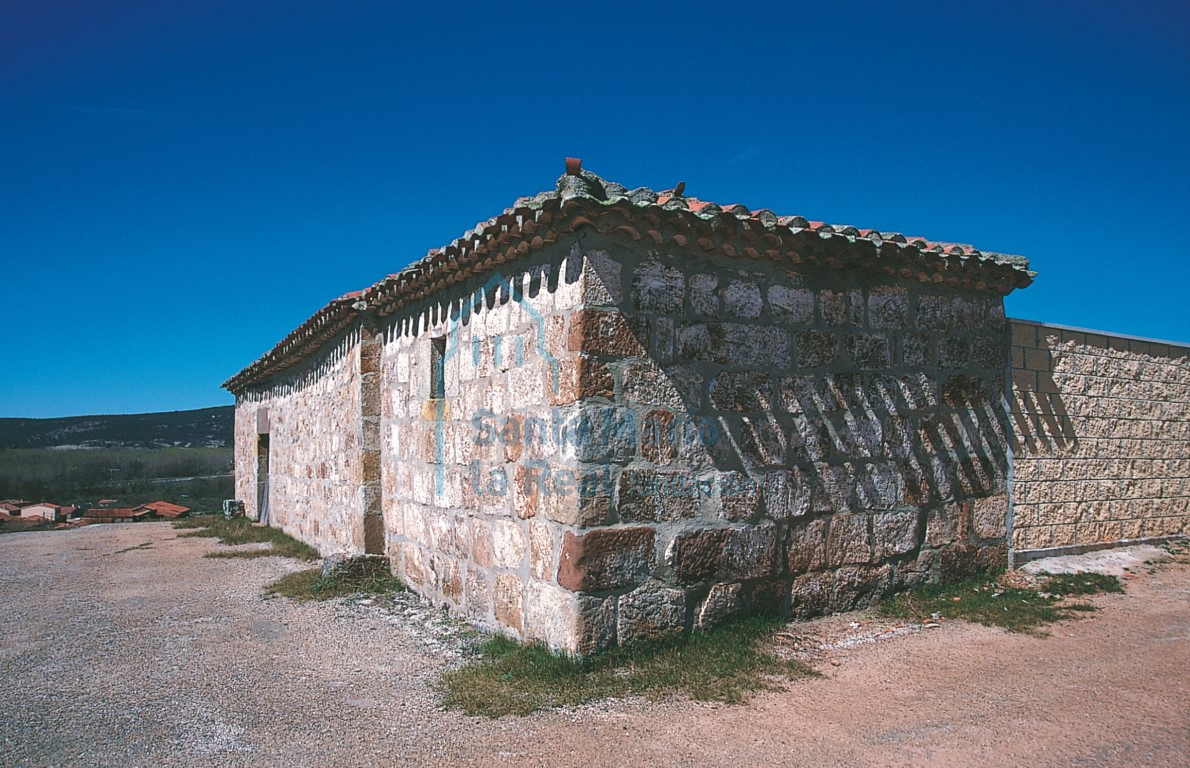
181, 186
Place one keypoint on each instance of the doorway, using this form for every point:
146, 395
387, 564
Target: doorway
262, 479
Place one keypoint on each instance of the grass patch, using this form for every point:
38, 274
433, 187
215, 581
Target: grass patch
240, 530
984, 600
309, 585
723, 664
1081, 584
240, 554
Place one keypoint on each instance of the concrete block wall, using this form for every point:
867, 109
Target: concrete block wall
1101, 427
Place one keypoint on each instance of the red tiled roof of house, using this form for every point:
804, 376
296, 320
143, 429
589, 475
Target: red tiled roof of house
583, 200
113, 513
165, 508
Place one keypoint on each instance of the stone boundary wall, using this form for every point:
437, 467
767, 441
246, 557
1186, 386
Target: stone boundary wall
1101, 428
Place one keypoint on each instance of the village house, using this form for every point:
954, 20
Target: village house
165, 509
51, 513
115, 515
611, 415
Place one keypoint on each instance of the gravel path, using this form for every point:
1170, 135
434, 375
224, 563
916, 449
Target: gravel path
123, 646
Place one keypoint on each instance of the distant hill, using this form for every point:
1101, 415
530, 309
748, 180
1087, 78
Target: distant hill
205, 427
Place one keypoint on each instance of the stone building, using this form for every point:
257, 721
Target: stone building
609, 415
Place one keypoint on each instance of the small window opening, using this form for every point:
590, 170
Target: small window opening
438, 368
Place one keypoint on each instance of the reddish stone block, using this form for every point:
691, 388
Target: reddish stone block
806, 550
696, 555
606, 559
580, 378
607, 333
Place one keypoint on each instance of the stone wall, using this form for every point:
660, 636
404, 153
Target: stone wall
315, 438
1101, 429
790, 439
632, 442
479, 486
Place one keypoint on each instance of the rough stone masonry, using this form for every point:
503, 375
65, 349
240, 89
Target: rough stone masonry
612, 415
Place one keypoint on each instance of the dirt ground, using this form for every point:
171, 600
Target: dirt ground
123, 646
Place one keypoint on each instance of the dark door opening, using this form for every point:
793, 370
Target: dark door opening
262, 479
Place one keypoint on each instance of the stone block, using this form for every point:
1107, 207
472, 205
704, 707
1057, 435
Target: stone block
601, 280
933, 313
916, 349
953, 352
816, 348
603, 433
607, 333
960, 391
762, 442
959, 561
894, 533
810, 595
704, 294
660, 436
859, 586
849, 540
969, 313
658, 288
791, 305
508, 601
723, 602
834, 488
943, 525
787, 493
739, 496
647, 495
806, 549
868, 351
650, 613
741, 298
750, 552
756, 346
748, 391
568, 622
580, 378
541, 549
477, 593
888, 307
989, 516
878, 486
695, 555
647, 383
989, 352
842, 307
605, 559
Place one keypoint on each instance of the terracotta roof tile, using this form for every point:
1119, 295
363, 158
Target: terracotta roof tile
165, 508
583, 200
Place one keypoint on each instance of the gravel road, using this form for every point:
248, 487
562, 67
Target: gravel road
123, 646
